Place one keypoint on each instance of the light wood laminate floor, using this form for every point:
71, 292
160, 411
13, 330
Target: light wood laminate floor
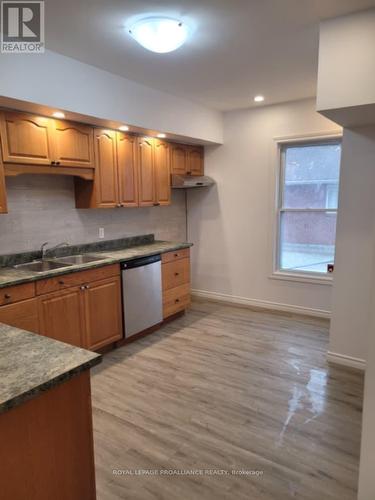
227, 388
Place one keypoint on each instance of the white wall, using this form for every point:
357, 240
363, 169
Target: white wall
42, 208
64, 83
355, 246
366, 471
346, 75
230, 223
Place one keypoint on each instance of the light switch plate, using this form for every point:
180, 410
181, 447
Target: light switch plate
101, 232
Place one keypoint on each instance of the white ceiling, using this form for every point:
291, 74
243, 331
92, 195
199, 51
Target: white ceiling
240, 48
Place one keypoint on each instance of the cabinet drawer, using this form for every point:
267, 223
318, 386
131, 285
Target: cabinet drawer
76, 279
176, 299
176, 255
22, 315
176, 273
16, 293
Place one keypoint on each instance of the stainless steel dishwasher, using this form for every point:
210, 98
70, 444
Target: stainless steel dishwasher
142, 294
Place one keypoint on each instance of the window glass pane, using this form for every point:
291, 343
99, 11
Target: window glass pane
311, 175
307, 241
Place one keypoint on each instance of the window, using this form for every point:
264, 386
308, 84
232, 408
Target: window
307, 206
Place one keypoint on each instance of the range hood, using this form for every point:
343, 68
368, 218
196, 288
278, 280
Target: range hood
191, 181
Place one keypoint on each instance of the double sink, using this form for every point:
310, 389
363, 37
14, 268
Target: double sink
41, 266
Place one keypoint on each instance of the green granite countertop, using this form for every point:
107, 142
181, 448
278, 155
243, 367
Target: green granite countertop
31, 364
11, 276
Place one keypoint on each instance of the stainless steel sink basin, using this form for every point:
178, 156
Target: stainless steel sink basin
79, 259
41, 266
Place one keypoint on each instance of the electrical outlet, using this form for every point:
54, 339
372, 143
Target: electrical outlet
101, 232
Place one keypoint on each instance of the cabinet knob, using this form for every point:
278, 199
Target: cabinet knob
118, 205
177, 274
177, 301
7, 296
156, 204
176, 254
57, 163
61, 282
53, 163
82, 287
87, 287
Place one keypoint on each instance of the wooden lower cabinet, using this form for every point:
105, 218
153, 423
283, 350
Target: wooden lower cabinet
23, 315
84, 311
61, 316
176, 282
103, 312
47, 449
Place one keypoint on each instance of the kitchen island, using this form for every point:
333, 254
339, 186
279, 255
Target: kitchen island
45, 418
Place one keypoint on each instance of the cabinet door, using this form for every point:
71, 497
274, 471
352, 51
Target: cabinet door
146, 173
73, 144
195, 161
26, 139
127, 170
162, 173
103, 312
178, 159
106, 169
22, 315
3, 194
61, 316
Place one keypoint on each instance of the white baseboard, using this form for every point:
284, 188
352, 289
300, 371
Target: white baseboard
343, 360
263, 304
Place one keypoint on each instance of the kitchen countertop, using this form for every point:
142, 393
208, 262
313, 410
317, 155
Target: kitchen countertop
31, 364
11, 276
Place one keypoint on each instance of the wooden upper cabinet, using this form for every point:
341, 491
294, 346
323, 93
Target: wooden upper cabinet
127, 170
146, 173
195, 160
102, 302
3, 194
162, 173
26, 139
178, 159
106, 185
61, 316
73, 144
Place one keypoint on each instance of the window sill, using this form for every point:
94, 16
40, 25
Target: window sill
302, 278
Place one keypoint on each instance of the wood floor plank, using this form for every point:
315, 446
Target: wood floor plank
227, 388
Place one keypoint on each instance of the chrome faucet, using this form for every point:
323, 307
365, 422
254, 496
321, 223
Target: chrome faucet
44, 249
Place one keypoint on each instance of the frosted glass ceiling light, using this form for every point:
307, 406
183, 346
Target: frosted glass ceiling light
159, 34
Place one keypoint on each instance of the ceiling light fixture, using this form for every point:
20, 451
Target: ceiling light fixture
161, 136
58, 114
159, 34
259, 98
123, 128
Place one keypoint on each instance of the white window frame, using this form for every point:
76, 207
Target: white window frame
290, 275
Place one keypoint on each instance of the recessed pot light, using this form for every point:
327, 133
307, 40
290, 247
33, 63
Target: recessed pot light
159, 34
58, 114
259, 98
161, 136
123, 128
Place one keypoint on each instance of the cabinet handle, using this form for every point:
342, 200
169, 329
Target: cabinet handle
188, 173
156, 204
7, 296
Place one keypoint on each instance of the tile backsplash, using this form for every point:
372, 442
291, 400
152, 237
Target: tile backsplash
42, 208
